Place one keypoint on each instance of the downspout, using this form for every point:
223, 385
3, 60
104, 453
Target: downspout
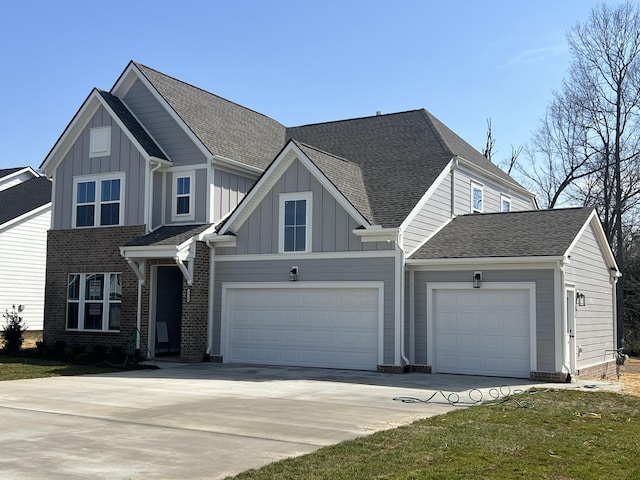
212, 284
401, 273
150, 219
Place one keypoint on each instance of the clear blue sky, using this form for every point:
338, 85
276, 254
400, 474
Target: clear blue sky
299, 62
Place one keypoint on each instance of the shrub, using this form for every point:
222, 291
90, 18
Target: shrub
12, 332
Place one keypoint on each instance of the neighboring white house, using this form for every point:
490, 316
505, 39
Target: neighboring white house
25, 218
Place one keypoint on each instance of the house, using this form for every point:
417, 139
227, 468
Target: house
25, 217
187, 224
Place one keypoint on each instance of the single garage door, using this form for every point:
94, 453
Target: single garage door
316, 327
482, 332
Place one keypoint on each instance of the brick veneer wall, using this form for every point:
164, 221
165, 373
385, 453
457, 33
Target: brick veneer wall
195, 313
88, 250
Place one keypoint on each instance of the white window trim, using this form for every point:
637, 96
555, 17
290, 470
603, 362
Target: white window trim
284, 197
174, 208
505, 198
96, 214
93, 133
478, 186
82, 301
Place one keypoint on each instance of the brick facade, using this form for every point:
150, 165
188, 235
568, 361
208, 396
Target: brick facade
88, 250
195, 313
605, 370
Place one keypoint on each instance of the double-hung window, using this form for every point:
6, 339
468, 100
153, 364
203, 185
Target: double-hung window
477, 201
295, 222
505, 203
183, 186
98, 200
94, 301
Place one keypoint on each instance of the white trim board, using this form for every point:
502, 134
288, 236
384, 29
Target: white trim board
306, 256
530, 286
224, 307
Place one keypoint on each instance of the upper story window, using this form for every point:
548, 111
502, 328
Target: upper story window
505, 203
295, 222
100, 142
94, 301
183, 208
98, 200
477, 200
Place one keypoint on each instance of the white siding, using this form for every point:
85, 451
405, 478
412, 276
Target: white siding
436, 211
13, 181
23, 256
595, 324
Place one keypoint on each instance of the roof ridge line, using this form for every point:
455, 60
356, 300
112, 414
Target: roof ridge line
317, 149
354, 118
441, 140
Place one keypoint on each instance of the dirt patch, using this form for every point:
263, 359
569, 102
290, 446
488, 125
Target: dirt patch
630, 377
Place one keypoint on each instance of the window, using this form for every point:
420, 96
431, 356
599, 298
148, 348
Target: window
100, 142
98, 201
94, 301
295, 222
477, 203
182, 199
505, 203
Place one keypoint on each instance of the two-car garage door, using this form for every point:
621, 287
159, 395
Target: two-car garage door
306, 326
483, 331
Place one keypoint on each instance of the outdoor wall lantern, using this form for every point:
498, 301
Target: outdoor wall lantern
477, 279
582, 301
293, 274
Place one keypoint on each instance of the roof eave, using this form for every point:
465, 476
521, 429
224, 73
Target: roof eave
486, 260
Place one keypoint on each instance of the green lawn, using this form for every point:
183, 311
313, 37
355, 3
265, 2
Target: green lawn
16, 368
566, 435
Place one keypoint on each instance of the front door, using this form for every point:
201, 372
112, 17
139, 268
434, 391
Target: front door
168, 309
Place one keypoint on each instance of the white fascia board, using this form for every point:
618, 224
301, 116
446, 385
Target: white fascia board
206, 234
427, 195
215, 240
495, 178
233, 166
374, 234
146, 251
125, 82
307, 256
25, 216
270, 177
70, 133
18, 173
444, 262
594, 220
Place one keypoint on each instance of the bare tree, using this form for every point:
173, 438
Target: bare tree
587, 149
489, 148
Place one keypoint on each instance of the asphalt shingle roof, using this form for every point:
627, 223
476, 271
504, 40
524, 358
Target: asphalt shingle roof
400, 156
346, 176
515, 234
225, 128
141, 135
24, 197
168, 235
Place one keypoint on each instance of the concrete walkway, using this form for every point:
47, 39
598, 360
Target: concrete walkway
206, 420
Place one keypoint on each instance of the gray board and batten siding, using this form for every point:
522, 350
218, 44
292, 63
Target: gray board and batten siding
124, 157
595, 328
312, 270
162, 127
228, 190
545, 324
332, 226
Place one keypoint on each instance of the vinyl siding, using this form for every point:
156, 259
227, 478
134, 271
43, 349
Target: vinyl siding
13, 181
162, 127
338, 270
491, 194
595, 324
545, 325
332, 227
23, 255
436, 211
228, 190
124, 158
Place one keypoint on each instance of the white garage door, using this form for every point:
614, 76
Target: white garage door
482, 332
318, 327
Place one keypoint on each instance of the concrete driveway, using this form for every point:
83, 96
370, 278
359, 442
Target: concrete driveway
203, 420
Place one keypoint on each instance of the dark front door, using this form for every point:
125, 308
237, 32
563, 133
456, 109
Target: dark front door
168, 309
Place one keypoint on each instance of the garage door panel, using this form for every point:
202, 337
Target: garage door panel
324, 327
482, 332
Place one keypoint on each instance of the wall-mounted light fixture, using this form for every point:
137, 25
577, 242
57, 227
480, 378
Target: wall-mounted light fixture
581, 299
293, 274
477, 279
